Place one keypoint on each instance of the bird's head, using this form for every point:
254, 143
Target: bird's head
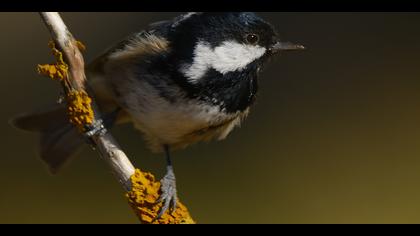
224, 51
225, 42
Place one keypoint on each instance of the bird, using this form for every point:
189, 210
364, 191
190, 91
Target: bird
181, 81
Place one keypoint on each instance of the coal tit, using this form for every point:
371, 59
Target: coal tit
182, 81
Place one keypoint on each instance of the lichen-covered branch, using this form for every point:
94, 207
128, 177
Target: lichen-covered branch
144, 193
142, 189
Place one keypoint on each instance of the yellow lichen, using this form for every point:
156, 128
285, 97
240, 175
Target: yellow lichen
80, 45
78, 102
79, 109
57, 71
143, 196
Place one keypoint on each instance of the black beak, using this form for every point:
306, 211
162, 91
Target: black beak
286, 46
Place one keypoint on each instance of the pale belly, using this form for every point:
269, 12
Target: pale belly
179, 125
176, 123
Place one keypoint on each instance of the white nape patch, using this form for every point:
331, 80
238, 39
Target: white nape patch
227, 57
183, 17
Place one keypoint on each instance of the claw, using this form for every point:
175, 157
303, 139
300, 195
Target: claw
164, 209
169, 193
174, 200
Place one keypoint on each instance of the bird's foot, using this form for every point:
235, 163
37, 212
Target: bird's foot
168, 192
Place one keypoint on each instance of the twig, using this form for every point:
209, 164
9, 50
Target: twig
108, 148
142, 189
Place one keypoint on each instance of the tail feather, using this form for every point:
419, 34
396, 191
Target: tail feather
41, 120
57, 147
59, 140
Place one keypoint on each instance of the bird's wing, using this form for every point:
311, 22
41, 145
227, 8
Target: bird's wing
131, 50
151, 37
156, 32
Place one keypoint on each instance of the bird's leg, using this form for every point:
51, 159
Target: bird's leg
168, 186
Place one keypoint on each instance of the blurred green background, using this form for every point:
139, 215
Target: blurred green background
333, 138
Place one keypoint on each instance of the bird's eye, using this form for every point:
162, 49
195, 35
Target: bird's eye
252, 38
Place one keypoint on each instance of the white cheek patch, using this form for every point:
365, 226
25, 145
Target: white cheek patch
227, 57
200, 64
232, 56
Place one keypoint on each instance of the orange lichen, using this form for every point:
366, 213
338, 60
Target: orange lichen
78, 102
79, 109
80, 45
57, 71
143, 196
